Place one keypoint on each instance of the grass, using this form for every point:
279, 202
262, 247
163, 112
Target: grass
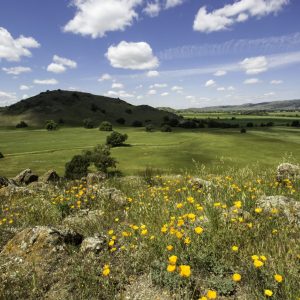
173, 152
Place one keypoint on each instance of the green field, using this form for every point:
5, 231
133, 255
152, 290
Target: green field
173, 152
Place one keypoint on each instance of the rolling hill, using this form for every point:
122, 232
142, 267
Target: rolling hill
71, 108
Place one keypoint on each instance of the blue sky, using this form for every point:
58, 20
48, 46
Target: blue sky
178, 53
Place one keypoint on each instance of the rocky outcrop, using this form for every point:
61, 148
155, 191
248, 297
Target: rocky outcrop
200, 183
26, 177
50, 176
95, 178
112, 194
12, 190
288, 206
92, 245
288, 171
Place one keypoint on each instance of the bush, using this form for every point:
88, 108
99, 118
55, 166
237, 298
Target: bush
295, 123
88, 123
77, 167
1, 155
121, 121
105, 126
101, 158
166, 128
250, 124
243, 130
51, 125
137, 123
116, 139
22, 124
149, 127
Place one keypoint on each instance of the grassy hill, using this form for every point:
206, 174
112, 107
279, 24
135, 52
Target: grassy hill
286, 105
73, 107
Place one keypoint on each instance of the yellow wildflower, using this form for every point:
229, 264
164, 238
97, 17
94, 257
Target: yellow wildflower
184, 271
236, 277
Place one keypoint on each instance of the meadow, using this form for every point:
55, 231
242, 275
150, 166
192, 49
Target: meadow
174, 152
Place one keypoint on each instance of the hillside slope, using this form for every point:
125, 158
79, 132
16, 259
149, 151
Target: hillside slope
73, 107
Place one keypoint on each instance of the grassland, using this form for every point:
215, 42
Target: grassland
173, 152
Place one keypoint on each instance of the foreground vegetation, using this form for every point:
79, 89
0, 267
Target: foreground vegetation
191, 238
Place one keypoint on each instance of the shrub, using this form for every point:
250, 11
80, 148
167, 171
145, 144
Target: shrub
149, 127
250, 124
105, 126
88, 123
137, 123
121, 121
295, 123
243, 130
51, 125
166, 128
116, 139
100, 157
77, 167
1, 155
22, 124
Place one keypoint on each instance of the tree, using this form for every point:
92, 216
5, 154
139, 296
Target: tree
166, 128
105, 126
51, 125
137, 123
116, 139
77, 167
121, 121
22, 124
1, 155
88, 123
149, 127
243, 130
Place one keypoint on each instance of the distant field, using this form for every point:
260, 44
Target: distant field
171, 152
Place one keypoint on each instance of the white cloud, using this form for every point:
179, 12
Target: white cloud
7, 98
221, 89
177, 88
94, 18
276, 81
46, 81
270, 94
164, 94
190, 98
139, 97
152, 9
251, 81
16, 70
152, 92
223, 18
231, 88
220, 73
255, 65
116, 85
13, 49
158, 85
210, 83
134, 56
119, 94
60, 64
105, 77
24, 87
25, 96
173, 3
152, 74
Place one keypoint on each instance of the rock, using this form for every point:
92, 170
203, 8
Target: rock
114, 195
288, 171
95, 178
92, 245
26, 177
38, 186
288, 206
200, 183
12, 190
50, 176
6, 182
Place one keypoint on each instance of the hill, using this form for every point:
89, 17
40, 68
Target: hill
286, 105
72, 108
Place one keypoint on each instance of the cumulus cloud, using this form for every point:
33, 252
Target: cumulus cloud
16, 70
152, 92
220, 73
24, 87
158, 85
94, 18
270, 94
61, 64
276, 81
46, 81
231, 88
251, 81
134, 56
13, 49
105, 77
152, 9
7, 98
152, 74
255, 65
221, 89
117, 85
164, 94
119, 94
177, 88
210, 83
173, 3
240, 11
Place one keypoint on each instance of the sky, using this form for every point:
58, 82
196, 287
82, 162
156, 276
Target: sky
174, 53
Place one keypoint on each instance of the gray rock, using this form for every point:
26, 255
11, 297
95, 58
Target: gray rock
12, 190
112, 194
50, 176
92, 245
200, 183
26, 177
288, 171
95, 178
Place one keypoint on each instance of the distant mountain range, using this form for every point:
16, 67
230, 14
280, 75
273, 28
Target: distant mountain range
287, 105
71, 108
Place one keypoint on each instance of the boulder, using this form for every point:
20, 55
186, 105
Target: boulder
95, 178
12, 190
4, 182
200, 183
26, 177
113, 194
288, 206
92, 245
288, 171
50, 176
